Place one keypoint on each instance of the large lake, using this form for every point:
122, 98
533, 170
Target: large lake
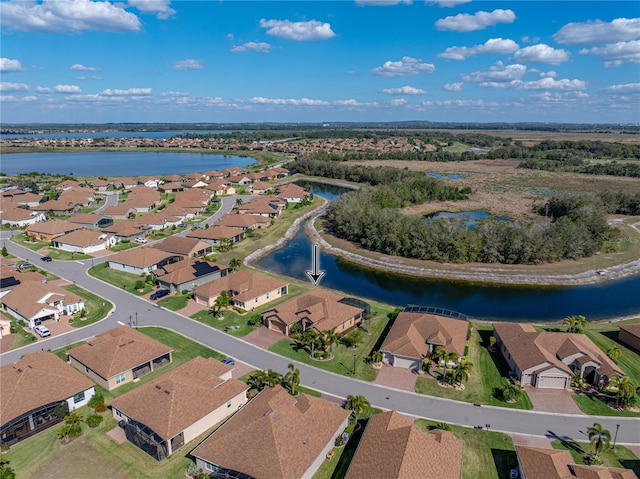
122, 163
112, 134
485, 301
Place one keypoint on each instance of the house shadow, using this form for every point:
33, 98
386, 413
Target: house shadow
633, 464
349, 451
504, 460
498, 361
613, 336
392, 318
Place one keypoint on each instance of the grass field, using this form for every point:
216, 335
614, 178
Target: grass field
119, 279
32, 244
174, 303
96, 307
621, 457
486, 455
489, 374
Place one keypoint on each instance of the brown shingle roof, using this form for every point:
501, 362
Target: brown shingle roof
274, 435
392, 447
411, 332
181, 245
53, 227
216, 233
633, 329
27, 297
140, 257
242, 221
118, 350
35, 380
179, 398
245, 284
187, 270
82, 237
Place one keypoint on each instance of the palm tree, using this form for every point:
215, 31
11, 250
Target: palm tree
258, 380
376, 357
273, 378
222, 301
599, 437
291, 380
570, 321
614, 352
234, 264
462, 370
310, 338
329, 337
576, 323
511, 392
626, 392
358, 404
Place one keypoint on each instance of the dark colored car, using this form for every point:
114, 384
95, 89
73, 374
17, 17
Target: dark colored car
161, 293
46, 258
228, 360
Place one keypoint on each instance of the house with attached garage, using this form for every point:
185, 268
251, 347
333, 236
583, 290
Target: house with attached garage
247, 290
549, 359
184, 246
188, 273
217, 234
35, 302
275, 435
418, 331
268, 206
48, 230
142, 260
123, 211
392, 447
84, 241
119, 356
246, 222
157, 221
629, 334
91, 220
167, 412
21, 198
13, 215
36, 392
292, 193
319, 309
125, 231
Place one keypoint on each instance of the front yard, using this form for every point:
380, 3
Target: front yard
120, 279
488, 376
621, 457
96, 307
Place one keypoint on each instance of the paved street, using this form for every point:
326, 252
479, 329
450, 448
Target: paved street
127, 305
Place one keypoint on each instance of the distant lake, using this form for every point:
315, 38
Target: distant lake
120, 163
469, 218
112, 134
450, 176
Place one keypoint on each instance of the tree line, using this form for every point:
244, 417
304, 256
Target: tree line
574, 227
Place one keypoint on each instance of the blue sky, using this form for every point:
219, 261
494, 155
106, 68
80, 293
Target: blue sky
71, 61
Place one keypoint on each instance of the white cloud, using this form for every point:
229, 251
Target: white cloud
384, 3
81, 68
407, 66
541, 53
452, 87
404, 90
159, 7
310, 30
288, 101
8, 65
261, 47
6, 86
398, 102
189, 64
616, 54
624, 88
450, 3
92, 77
174, 93
598, 32
67, 89
44, 89
541, 84
130, 91
497, 73
465, 22
495, 46
66, 16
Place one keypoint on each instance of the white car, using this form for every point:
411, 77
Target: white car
141, 240
43, 331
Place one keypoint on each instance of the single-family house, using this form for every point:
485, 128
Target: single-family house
543, 463
122, 211
57, 207
100, 184
35, 302
184, 246
124, 182
221, 187
21, 198
48, 230
414, 336
194, 183
274, 436
172, 178
92, 220
125, 231
247, 290
119, 356
149, 182
158, 221
172, 187
167, 412
392, 447
629, 334
268, 206
319, 309
79, 196
66, 185
36, 392
13, 215
217, 234
84, 241
141, 260
245, 222
143, 199
549, 359
188, 273
233, 171
259, 187
292, 193
277, 172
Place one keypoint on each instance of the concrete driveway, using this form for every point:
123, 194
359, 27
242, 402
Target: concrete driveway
553, 400
397, 378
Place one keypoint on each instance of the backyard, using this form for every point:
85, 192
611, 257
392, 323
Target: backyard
488, 376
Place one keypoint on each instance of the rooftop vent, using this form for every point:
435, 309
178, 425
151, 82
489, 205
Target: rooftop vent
158, 386
166, 391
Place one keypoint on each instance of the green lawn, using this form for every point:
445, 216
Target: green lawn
120, 279
123, 246
66, 255
595, 406
174, 303
489, 373
344, 358
34, 245
22, 337
96, 307
486, 454
621, 457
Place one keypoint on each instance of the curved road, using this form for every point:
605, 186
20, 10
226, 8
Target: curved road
148, 314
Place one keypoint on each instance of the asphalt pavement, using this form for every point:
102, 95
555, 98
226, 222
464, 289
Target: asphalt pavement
129, 307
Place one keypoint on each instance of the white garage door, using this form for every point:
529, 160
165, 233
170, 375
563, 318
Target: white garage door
551, 382
408, 363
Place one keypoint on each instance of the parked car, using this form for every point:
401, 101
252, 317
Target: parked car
161, 293
43, 331
141, 240
46, 258
228, 360
25, 266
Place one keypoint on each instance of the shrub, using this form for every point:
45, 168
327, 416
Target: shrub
96, 399
139, 284
94, 420
102, 407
